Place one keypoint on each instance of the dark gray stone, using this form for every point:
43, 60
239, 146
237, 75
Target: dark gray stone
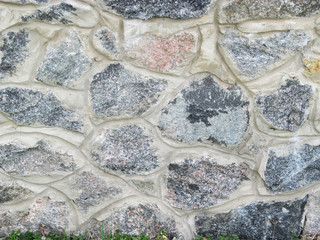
108, 41
145, 9
10, 192
206, 112
14, 51
125, 149
286, 108
295, 168
199, 183
28, 107
257, 220
118, 92
39, 159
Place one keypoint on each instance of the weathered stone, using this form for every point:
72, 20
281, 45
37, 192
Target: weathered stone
14, 51
64, 63
240, 10
27, 1
145, 9
259, 220
312, 67
201, 182
39, 159
205, 111
252, 57
312, 218
291, 167
13, 191
125, 149
28, 107
117, 91
286, 108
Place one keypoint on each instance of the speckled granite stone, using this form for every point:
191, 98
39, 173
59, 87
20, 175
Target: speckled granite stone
117, 91
312, 218
12, 191
292, 167
107, 42
204, 111
39, 159
259, 220
125, 149
29, 107
286, 108
201, 182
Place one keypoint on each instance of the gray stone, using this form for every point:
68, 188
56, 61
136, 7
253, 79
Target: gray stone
28, 107
64, 63
286, 108
125, 149
118, 92
240, 10
26, 1
14, 51
39, 159
254, 57
257, 220
292, 168
312, 216
204, 111
10, 192
145, 9
107, 42
201, 182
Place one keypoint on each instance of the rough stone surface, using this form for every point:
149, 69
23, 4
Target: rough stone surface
311, 65
27, 1
253, 57
10, 192
240, 10
118, 92
257, 220
14, 51
39, 159
295, 167
286, 108
311, 226
204, 111
201, 182
145, 9
125, 149
28, 107
64, 63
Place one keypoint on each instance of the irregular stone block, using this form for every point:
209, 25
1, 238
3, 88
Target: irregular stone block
234, 11
117, 91
13, 191
312, 218
64, 63
291, 167
259, 220
27, 1
14, 51
251, 57
206, 111
125, 149
145, 9
28, 107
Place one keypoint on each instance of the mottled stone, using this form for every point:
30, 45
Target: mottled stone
27, 1
291, 167
40, 159
125, 149
145, 9
117, 91
13, 191
64, 63
240, 10
311, 65
312, 218
14, 51
201, 182
205, 111
259, 220
253, 57
29, 107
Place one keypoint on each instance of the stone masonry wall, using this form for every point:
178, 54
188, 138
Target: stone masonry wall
197, 116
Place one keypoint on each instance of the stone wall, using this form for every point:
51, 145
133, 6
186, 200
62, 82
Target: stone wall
195, 116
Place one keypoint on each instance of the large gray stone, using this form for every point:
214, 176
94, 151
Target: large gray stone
10, 192
29, 107
259, 220
205, 111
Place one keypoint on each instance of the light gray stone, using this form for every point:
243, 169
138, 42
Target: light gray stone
312, 216
13, 191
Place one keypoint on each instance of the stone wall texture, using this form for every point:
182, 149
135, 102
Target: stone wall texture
199, 117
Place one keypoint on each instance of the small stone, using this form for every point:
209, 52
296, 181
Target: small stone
64, 63
311, 65
258, 220
206, 111
28, 107
117, 91
27, 1
13, 191
311, 226
291, 167
125, 149
39, 159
